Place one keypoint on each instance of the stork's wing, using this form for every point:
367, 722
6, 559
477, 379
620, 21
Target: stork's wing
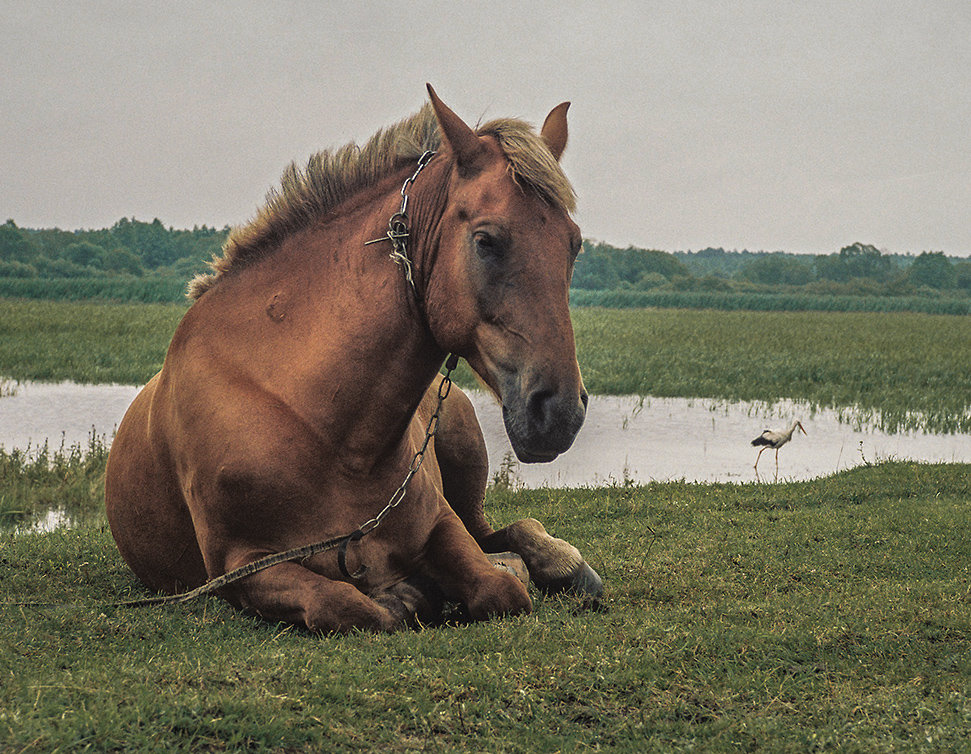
766, 438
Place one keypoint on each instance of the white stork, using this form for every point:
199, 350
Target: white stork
772, 438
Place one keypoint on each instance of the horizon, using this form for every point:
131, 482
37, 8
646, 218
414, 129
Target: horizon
885, 252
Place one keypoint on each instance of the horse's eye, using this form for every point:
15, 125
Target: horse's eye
486, 245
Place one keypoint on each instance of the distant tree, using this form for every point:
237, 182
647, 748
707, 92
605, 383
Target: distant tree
605, 267
189, 267
14, 245
151, 242
777, 269
933, 269
85, 254
865, 261
858, 260
962, 275
122, 260
650, 280
16, 269
830, 267
60, 268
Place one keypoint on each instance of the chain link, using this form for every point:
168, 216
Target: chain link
397, 232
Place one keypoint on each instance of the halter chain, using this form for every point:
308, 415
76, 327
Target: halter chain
397, 232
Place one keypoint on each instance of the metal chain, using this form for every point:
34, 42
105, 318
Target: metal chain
397, 232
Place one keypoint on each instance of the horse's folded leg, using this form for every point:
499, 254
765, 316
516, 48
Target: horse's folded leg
554, 565
466, 574
289, 592
416, 601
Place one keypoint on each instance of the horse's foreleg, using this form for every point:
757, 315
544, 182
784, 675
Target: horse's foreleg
466, 574
554, 564
292, 593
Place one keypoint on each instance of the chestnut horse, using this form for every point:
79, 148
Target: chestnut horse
298, 387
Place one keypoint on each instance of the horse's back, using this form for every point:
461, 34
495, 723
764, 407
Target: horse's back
146, 511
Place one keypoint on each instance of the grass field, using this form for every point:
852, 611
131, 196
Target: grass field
906, 370
832, 615
911, 369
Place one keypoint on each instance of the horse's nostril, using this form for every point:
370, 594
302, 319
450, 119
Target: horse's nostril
538, 405
584, 399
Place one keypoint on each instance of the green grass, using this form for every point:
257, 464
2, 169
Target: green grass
904, 370
832, 615
150, 289
85, 341
37, 480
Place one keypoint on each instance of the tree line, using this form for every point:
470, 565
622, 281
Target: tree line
128, 248
857, 269
135, 249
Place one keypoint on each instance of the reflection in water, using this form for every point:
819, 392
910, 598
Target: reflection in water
624, 438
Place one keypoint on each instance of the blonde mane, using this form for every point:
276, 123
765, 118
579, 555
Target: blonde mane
332, 177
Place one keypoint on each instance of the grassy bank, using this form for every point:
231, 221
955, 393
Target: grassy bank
911, 369
152, 289
830, 615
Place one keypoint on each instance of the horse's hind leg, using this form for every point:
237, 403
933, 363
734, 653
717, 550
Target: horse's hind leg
554, 565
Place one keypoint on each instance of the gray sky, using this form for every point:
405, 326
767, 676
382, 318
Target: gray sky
796, 126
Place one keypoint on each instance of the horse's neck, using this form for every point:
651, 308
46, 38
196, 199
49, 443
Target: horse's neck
345, 345
385, 355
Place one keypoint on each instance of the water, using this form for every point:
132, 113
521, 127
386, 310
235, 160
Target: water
662, 439
624, 438
38, 412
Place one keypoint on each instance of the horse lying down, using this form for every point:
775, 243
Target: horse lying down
299, 389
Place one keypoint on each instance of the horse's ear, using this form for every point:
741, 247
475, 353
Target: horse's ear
554, 131
462, 139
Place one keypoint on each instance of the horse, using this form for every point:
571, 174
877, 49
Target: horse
303, 385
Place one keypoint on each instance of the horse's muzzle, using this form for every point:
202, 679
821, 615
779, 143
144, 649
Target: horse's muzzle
542, 423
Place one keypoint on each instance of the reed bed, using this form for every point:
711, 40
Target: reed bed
764, 302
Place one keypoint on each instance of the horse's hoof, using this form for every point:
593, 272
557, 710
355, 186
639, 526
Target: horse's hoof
511, 562
583, 582
587, 583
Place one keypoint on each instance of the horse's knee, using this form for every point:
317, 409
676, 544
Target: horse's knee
499, 593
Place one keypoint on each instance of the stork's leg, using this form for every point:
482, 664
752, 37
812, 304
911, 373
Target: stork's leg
759, 456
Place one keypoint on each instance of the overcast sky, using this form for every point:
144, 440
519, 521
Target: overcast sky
796, 126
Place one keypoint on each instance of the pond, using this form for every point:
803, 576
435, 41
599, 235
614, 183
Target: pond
624, 438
